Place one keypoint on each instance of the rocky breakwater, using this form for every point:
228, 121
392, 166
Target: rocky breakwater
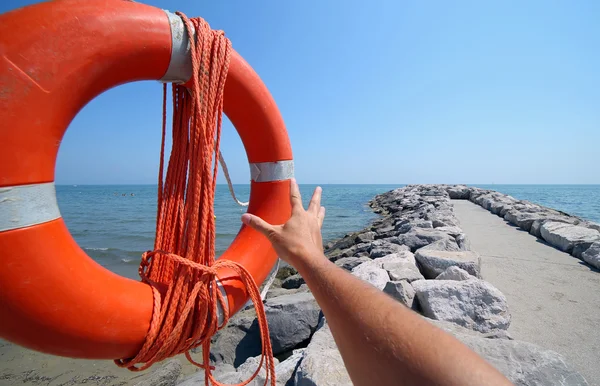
415, 252
571, 234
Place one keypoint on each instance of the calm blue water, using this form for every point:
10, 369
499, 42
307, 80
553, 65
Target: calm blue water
578, 200
114, 227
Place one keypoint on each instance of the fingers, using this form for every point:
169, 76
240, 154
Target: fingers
258, 223
295, 197
321, 216
315, 201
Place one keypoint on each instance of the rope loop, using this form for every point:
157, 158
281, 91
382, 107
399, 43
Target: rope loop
181, 270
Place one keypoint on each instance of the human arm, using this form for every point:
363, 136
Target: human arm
381, 341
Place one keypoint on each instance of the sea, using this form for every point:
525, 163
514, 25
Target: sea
114, 224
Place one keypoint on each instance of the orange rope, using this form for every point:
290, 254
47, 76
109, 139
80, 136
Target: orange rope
182, 268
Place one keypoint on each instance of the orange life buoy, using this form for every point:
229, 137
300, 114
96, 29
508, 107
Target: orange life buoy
54, 58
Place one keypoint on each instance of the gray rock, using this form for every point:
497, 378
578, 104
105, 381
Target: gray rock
348, 263
285, 271
450, 230
404, 271
420, 237
380, 248
523, 220
165, 375
566, 236
365, 237
433, 263
459, 192
421, 224
277, 291
230, 375
447, 244
592, 255
464, 244
454, 273
524, 364
404, 255
401, 291
372, 272
473, 303
292, 319
238, 341
294, 281
322, 363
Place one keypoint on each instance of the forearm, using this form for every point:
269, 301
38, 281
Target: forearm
381, 341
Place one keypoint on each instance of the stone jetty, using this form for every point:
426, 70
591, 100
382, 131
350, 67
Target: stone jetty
417, 252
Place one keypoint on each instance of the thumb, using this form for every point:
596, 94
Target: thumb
257, 223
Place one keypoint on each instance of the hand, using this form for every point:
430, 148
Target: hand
300, 237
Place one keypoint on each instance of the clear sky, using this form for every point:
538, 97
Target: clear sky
385, 92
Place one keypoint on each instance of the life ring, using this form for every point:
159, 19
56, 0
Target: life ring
54, 58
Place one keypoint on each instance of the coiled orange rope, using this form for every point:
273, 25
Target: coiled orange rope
182, 268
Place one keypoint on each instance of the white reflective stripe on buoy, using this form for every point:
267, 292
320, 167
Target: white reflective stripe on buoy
180, 66
272, 171
26, 205
220, 313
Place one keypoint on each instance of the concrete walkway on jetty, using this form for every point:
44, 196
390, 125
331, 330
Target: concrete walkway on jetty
552, 296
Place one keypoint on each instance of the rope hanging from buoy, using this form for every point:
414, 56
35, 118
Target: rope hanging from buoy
182, 268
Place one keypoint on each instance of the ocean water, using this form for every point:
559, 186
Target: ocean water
114, 224
579, 200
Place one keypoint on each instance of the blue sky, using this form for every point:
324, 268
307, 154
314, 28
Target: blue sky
385, 92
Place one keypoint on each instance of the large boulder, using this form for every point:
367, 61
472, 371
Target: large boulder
348, 263
292, 320
473, 303
592, 255
454, 273
372, 272
524, 364
419, 237
433, 263
294, 281
401, 291
322, 363
274, 292
239, 340
566, 236
165, 375
380, 248
459, 192
284, 372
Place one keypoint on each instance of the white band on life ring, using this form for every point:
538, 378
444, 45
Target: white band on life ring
180, 66
272, 171
26, 205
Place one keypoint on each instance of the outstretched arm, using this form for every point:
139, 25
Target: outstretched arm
381, 341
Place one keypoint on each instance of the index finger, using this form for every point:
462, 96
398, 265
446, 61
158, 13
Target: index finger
295, 197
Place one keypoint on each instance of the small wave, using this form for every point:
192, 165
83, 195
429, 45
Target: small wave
127, 261
95, 249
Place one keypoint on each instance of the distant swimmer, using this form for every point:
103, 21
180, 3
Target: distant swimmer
123, 194
132, 194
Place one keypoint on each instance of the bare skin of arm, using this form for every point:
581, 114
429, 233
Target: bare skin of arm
381, 341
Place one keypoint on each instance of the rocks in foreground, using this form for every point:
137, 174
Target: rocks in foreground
592, 255
522, 363
321, 363
473, 303
292, 320
433, 262
417, 253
